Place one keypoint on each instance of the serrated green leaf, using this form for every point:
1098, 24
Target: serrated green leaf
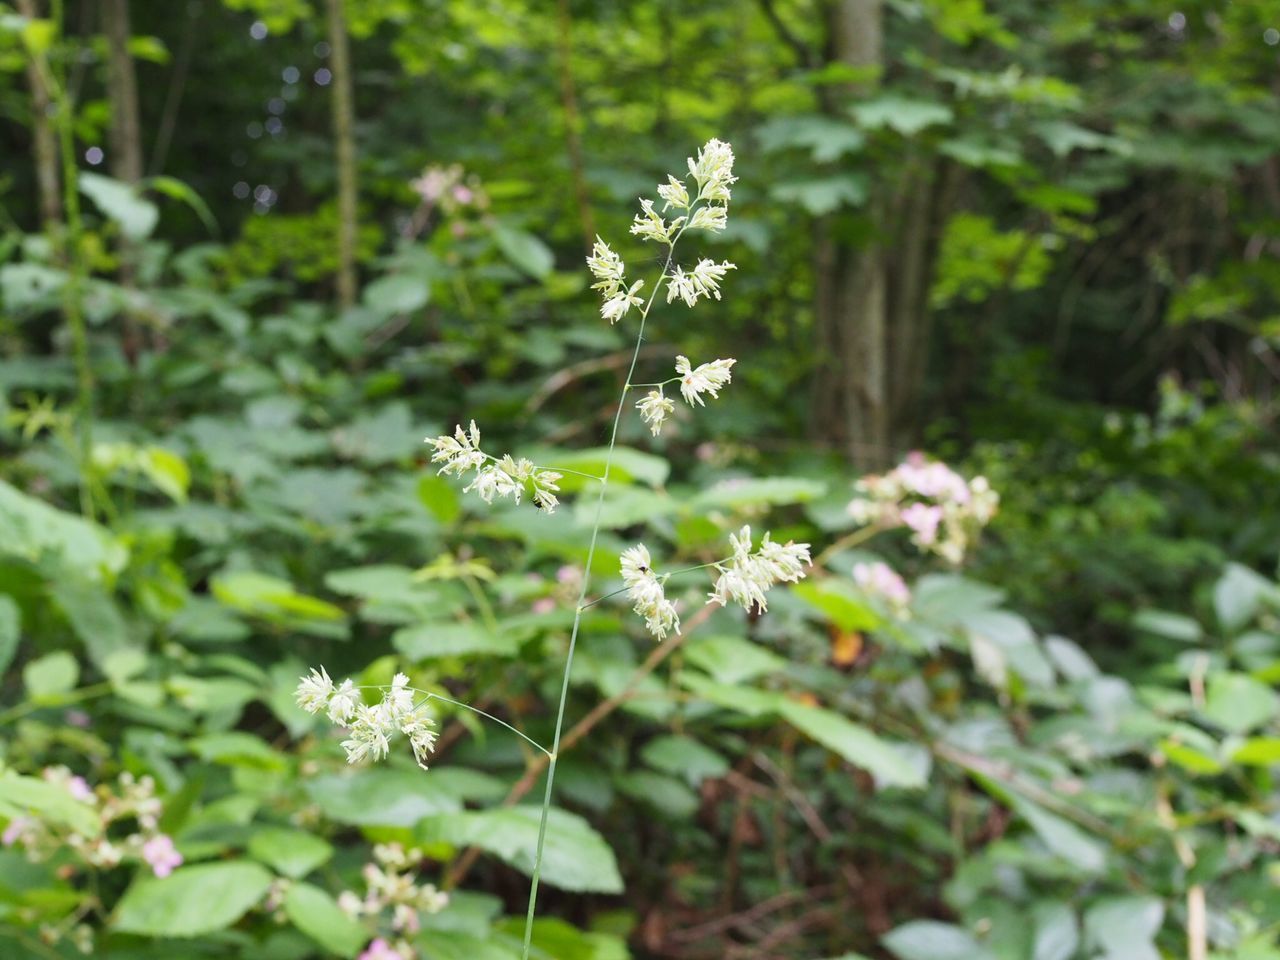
192, 901
294, 853
317, 915
575, 857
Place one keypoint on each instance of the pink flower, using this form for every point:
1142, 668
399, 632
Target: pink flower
77, 718
160, 854
544, 605
379, 950
13, 832
880, 580
79, 789
923, 520
569, 574
462, 194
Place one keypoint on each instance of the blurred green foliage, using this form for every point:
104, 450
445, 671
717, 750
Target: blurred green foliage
1066, 751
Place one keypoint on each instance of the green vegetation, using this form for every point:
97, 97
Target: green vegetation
254, 252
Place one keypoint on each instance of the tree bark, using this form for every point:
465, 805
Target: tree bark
851, 397
44, 142
122, 91
345, 148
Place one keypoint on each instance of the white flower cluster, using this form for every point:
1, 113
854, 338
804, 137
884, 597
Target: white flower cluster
370, 728
712, 171
609, 270
944, 512
390, 885
709, 378
746, 577
645, 591
495, 477
702, 281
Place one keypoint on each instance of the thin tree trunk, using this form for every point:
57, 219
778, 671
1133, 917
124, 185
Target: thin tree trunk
122, 91
851, 383
345, 144
125, 142
44, 142
910, 306
573, 123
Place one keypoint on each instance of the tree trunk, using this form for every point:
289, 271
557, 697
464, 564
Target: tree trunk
345, 145
851, 397
44, 142
122, 91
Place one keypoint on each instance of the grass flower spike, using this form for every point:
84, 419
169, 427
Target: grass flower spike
645, 591
370, 729
746, 577
655, 407
707, 378
495, 477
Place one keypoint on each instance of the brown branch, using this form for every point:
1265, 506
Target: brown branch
533, 772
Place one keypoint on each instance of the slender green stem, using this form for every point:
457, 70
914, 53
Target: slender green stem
490, 716
846, 542
577, 617
701, 566
538, 466
637, 386
592, 603
75, 696
428, 695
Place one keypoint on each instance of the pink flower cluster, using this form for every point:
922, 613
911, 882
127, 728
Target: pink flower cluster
390, 886
880, 580
943, 511
129, 799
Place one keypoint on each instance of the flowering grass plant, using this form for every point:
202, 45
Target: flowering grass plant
697, 202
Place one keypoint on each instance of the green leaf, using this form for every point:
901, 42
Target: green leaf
381, 797
167, 471
932, 940
1061, 836
51, 675
239, 749
1124, 928
270, 597
1259, 752
93, 616
1057, 934
294, 853
10, 630
907, 117
430, 640
1016, 643
827, 138
840, 602
1237, 596
121, 202
176, 189
664, 794
397, 293
1238, 703
822, 195
440, 498
889, 763
192, 901
1171, 626
34, 530
317, 915
736, 494
48, 802
684, 757
575, 857
524, 250
732, 660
